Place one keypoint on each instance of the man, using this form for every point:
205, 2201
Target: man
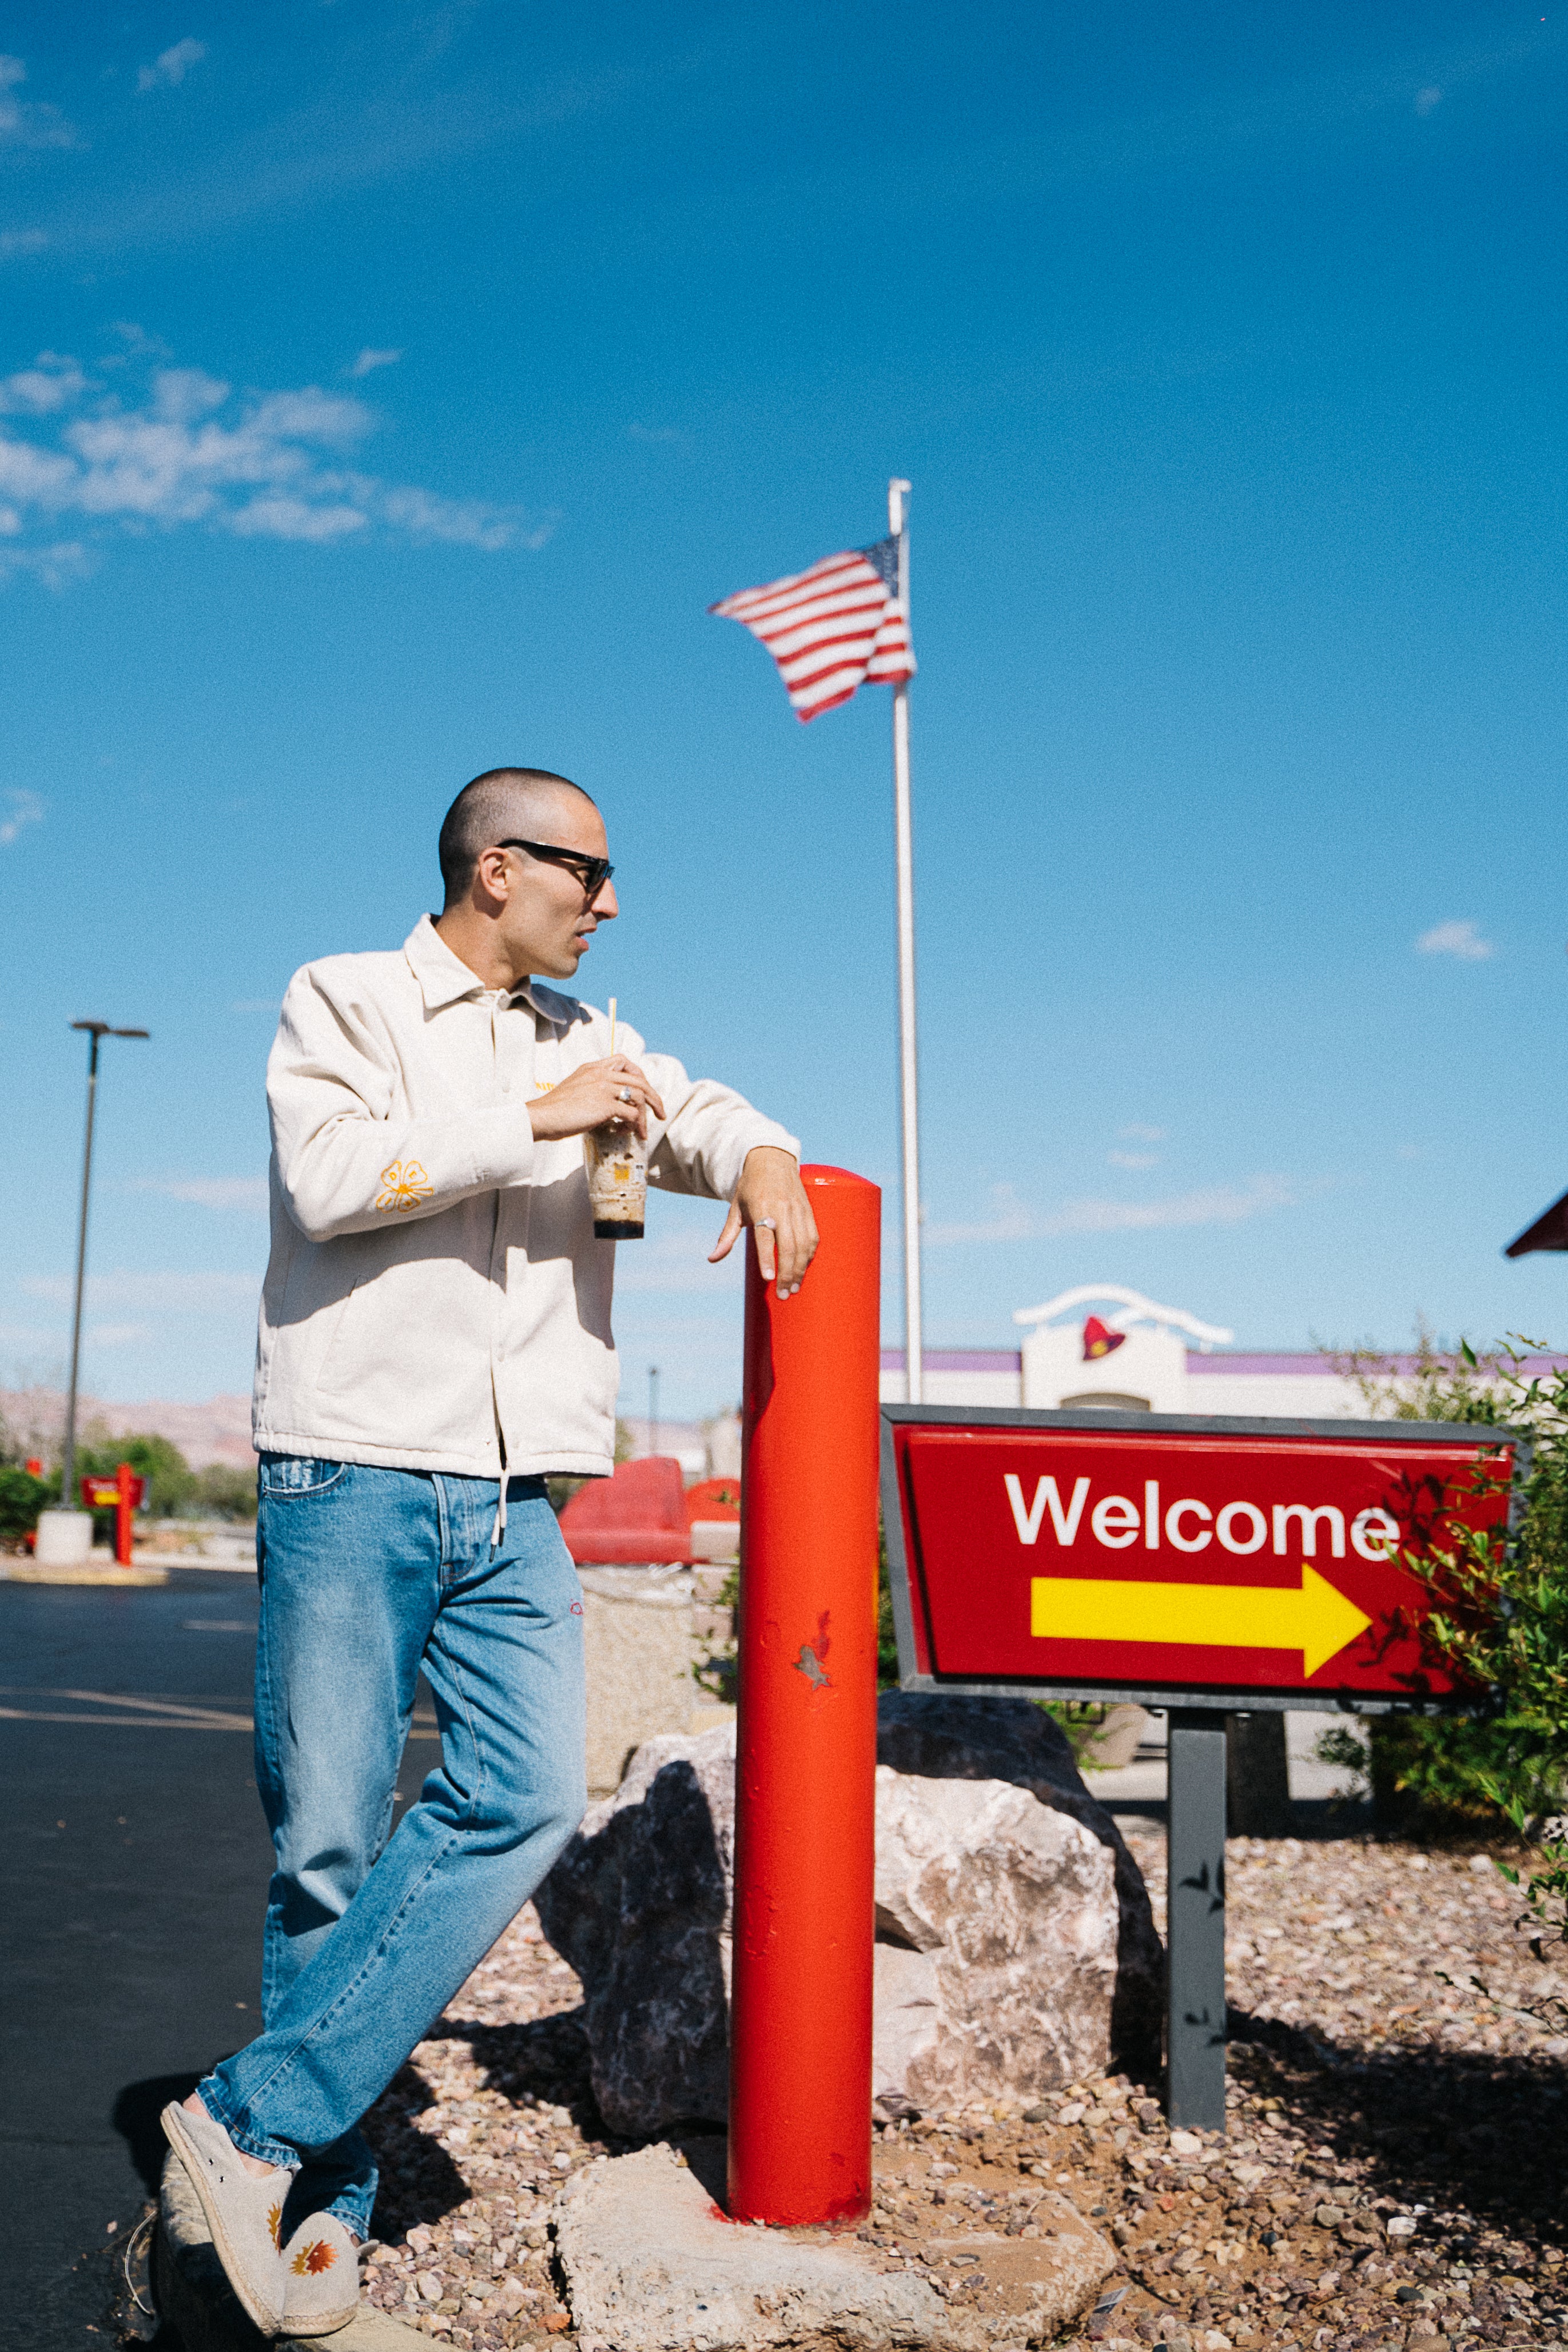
435, 1337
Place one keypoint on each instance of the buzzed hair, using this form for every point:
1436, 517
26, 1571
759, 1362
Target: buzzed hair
501, 801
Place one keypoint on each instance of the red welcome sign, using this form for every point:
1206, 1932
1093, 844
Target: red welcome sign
1161, 1556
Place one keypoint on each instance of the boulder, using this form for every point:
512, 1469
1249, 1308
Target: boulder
933, 1738
639, 1905
1015, 1950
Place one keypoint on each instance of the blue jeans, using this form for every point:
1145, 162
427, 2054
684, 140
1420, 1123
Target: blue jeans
366, 1575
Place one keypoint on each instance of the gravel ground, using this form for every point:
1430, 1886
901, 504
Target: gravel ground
1392, 2175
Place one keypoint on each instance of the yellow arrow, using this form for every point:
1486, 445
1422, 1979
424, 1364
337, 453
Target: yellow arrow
1318, 1620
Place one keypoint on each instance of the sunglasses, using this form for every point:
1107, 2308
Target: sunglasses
592, 872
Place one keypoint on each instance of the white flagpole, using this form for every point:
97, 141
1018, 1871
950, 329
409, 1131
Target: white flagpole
909, 1075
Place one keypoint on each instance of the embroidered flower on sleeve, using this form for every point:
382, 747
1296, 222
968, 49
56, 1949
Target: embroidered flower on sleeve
404, 1185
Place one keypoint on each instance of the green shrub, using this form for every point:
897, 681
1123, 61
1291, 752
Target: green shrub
21, 1497
1502, 1609
223, 1492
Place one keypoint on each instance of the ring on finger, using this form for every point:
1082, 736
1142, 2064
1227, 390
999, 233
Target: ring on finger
623, 1094
767, 1224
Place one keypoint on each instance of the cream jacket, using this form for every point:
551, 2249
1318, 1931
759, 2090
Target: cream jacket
435, 1294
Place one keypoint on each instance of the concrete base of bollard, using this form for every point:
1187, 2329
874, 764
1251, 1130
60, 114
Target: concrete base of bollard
653, 2266
196, 2299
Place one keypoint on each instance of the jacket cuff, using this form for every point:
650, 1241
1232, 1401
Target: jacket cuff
504, 1146
757, 1134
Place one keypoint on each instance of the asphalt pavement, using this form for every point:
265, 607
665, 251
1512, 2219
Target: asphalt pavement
133, 1870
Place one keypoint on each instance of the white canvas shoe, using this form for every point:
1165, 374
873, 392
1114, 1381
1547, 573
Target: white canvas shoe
321, 2274
244, 2211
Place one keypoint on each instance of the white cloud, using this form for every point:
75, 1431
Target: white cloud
21, 240
247, 1193
1133, 1159
171, 1294
21, 809
293, 518
1427, 100
170, 69
186, 449
50, 383
1216, 1204
1136, 1134
22, 124
52, 567
1461, 940
369, 360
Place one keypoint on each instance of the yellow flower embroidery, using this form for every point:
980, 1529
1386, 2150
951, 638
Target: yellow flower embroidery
405, 1185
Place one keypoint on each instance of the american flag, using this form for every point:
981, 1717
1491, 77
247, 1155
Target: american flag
832, 628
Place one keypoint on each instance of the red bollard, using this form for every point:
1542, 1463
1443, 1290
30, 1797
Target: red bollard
800, 2011
125, 1484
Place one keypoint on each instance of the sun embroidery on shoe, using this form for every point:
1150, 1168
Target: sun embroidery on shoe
316, 2257
404, 1185
275, 2224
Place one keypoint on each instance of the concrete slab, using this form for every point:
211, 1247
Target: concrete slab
195, 2299
98, 1572
653, 2266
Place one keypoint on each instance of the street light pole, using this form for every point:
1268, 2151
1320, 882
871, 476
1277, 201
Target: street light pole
96, 1029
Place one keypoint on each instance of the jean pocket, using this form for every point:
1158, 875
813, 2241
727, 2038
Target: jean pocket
285, 1474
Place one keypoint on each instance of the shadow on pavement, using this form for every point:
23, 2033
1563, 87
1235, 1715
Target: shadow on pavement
135, 2116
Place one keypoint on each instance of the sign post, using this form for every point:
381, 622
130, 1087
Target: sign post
1194, 1918
121, 1495
1203, 1566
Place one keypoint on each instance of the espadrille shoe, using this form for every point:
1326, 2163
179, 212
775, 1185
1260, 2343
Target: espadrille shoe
320, 2275
243, 2212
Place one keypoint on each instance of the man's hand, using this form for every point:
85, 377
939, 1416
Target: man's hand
771, 1198
593, 1097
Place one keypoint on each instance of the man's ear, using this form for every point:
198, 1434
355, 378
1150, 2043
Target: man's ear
492, 880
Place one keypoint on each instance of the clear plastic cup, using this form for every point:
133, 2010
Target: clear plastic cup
616, 1160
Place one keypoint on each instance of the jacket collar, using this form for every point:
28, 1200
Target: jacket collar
444, 978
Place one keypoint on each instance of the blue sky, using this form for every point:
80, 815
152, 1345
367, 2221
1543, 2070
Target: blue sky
388, 389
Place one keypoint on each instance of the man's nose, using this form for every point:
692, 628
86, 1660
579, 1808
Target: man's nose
604, 903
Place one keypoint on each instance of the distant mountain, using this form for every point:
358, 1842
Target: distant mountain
217, 1431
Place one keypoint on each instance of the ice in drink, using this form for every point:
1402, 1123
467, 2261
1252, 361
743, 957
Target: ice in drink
617, 1159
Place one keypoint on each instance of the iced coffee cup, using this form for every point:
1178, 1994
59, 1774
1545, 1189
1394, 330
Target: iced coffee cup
616, 1159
